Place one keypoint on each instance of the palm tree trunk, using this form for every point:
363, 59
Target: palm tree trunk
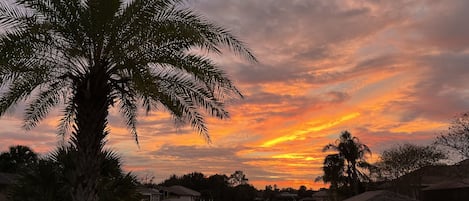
355, 178
92, 103
334, 188
349, 175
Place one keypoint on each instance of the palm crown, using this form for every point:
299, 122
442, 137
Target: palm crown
90, 55
354, 152
139, 50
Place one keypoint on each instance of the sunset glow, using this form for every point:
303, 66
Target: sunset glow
387, 71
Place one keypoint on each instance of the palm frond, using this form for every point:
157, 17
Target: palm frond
65, 123
13, 17
203, 70
175, 30
127, 105
128, 108
208, 35
48, 98
329, 147
18, 90
177, 93
201, 95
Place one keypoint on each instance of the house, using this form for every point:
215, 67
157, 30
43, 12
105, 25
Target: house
149, 194
178, 193
321, 195
379, 195
449, 190
437, 182
286, 196
306, 199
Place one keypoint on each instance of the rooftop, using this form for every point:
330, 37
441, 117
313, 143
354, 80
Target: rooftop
181, 190
381, 195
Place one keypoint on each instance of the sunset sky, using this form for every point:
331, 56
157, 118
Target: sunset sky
387, 71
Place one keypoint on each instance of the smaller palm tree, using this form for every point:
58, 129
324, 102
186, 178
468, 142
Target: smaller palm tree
333, 171
51, 179
354, 153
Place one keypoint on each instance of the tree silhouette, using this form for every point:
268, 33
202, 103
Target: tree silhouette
238, 178
50, 179
90, 55
333, 169
302, 191
403, 159
194, 180
457, 137
243, 192
17, 159
215, 187
353, 151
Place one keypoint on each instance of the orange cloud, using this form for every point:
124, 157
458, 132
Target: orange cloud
316, 128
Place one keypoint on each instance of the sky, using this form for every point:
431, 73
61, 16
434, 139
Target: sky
389, 72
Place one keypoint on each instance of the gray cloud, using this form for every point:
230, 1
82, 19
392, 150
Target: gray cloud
285, 35
441, 90
384, 139
442, 25
195, 152
172, 159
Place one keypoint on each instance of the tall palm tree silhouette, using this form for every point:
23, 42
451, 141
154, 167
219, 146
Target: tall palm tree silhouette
353, 151
90, 55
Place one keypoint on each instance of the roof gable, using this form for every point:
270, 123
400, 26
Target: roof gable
181, 190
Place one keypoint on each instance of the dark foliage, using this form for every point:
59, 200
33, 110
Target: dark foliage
238, 178
17, 159
215, 187
403, 159
50, 179
457, 136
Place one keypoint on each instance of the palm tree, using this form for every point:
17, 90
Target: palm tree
354, 152
48, 179
333, 173
90, 55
